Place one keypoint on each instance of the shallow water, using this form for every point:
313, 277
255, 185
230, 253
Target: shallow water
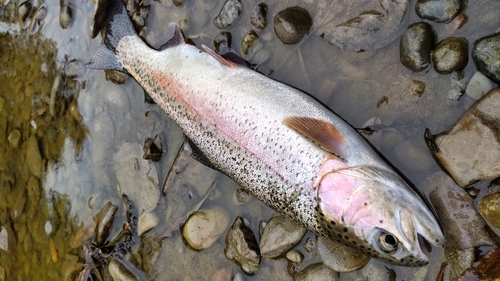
76, 181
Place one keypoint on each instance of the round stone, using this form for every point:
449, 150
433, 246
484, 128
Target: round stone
450, 54
486, 56
292, 24
416, 46
438, 10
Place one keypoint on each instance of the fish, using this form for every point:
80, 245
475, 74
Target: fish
278, 143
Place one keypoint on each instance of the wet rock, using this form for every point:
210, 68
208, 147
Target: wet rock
99, 17
204, 227
248, 41
487, 268
65, 15
463, 226
178, 3
316, 272
471, 149
119, 271
115, 76
308, 244
258, 17
238, 277
72, 69
292, 24
24, 10
365, 25
373, 271
459, 261
417, 88
137, 177
457, 23
241, 196
105, 219
228, 14
416, 46
486, 56
153, 149
489, 208
33, 157
241, 247
146, 222
450, 54
14, 138
295, 257
224, 38
140, 17
279, 236
478, 85
438, 10
339, 257
261, 56
4, 239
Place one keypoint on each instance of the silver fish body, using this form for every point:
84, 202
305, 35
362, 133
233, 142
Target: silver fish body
279, 144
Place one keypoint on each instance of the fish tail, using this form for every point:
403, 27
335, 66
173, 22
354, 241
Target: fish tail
117, 26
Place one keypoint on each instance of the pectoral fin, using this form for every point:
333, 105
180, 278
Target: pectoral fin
321, 133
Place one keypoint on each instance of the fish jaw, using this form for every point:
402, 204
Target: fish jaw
376, 212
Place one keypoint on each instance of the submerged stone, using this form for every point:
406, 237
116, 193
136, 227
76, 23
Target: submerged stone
279, 236
340, 257
33, 157
486, 56
241, 247
416, 46
317, 272
230, 11
258, 18
292, 24
450, 54
438, 10
204, 227
489, 207
471, 149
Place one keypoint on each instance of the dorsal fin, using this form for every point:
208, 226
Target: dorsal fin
320, 132
218, 57
176, 36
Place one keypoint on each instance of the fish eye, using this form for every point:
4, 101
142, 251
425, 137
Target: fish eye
388, 242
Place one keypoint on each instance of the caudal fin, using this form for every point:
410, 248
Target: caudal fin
117, 25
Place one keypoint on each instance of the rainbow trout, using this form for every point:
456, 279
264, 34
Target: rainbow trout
278, 143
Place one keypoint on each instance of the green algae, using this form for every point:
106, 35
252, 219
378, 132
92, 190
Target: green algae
38, 224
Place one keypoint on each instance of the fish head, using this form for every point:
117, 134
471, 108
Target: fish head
374, 211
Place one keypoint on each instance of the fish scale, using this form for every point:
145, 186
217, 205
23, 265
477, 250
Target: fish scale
278, 143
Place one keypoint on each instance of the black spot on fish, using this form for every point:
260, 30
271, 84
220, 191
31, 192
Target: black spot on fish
366, 204
346, 237
381, 221
345, 229
333, 222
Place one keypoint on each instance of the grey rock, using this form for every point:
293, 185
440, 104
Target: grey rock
105, 219
241, 247
292, 24
463, 226
362, 25
119, 272
471, 149
459, 260
116, 76
258, 17
204, 227
339, 257
228, 14
65, 15
295, 257
33, 157
279, 236
478, 85
416, 46
438, 10
450, 54
486, 56
14, 138
317, 272
72, 69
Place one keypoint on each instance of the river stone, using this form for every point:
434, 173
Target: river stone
292, 24
223, 38
120, 272
339, 257
361, 25
450, 54
204, 227
464, 228
478, 85
33, 157
471, 149
230, 11
416, 46
459, 261
248, 41
279, 236
241, 247
489, 207
14, 138
486, 56
316, 272
295, 256
258, 17
438, 10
